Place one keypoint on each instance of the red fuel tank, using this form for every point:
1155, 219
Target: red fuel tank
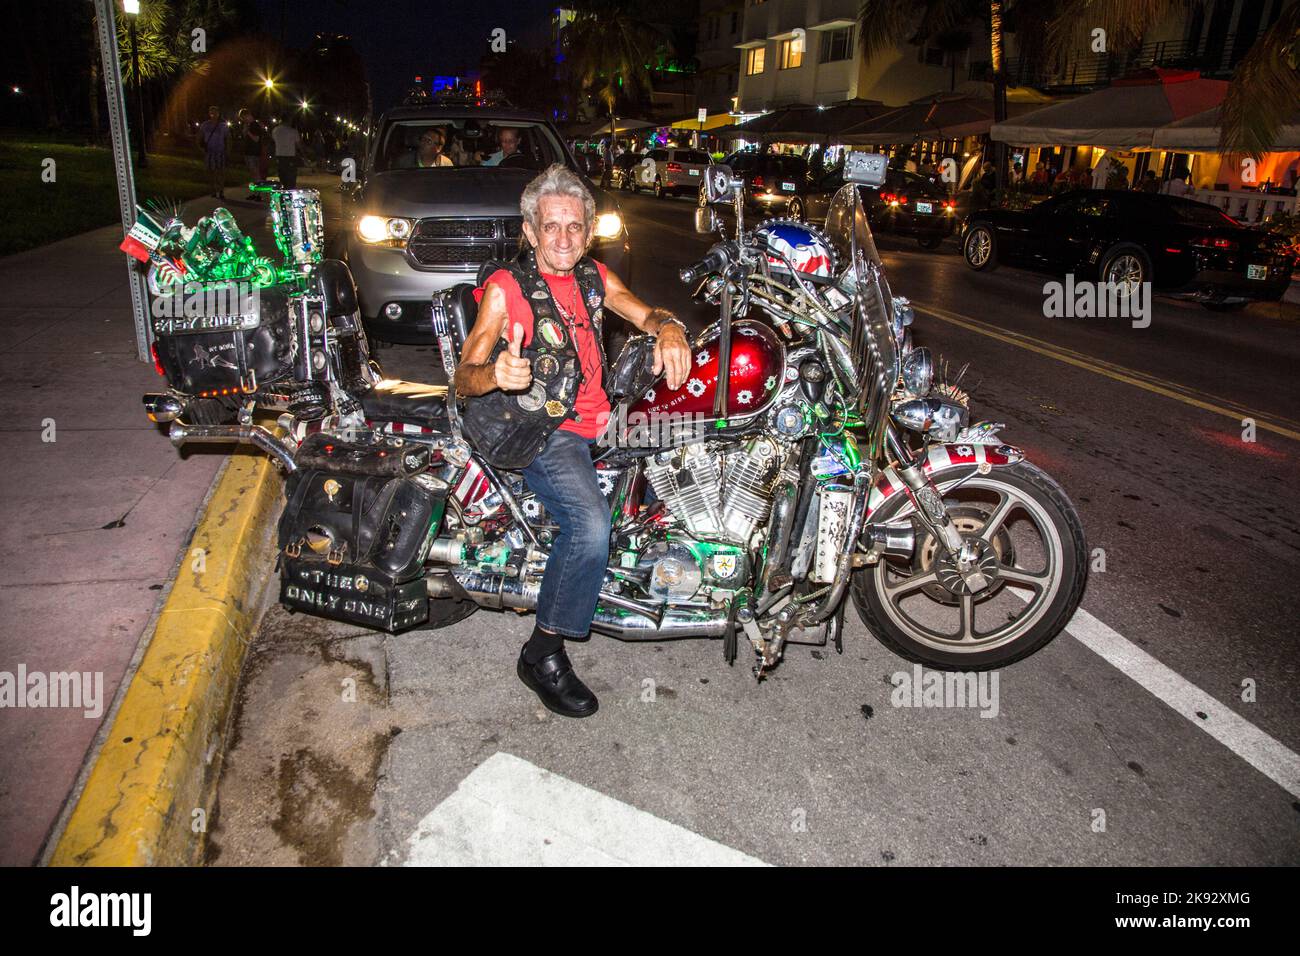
757, 368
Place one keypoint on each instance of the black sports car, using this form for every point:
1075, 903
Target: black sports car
1180, 246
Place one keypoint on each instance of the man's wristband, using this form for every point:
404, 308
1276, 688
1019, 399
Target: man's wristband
671, 319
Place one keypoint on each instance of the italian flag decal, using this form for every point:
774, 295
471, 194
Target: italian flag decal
143, 237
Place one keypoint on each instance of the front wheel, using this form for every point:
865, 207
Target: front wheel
1030, 546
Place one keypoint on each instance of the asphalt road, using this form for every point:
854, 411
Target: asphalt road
1125, 741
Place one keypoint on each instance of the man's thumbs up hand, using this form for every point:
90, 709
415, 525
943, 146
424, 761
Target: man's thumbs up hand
512, 372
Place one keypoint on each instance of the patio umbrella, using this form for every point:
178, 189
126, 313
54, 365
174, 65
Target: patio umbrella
1125, 115
948, 118
1199, 133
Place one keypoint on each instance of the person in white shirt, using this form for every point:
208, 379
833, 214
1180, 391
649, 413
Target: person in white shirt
509, 138
1177, 184
428, 153
286, 141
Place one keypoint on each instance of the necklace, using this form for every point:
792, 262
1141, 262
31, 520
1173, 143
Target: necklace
570, 318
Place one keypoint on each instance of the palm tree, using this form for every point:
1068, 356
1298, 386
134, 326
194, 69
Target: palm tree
609, 49
883, 24
1265, 87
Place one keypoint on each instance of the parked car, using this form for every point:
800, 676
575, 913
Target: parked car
415, 231
907, 204
622, 174
772, 182
1180, 246
675, 170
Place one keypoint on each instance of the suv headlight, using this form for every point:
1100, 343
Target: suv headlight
609, 225
390, 230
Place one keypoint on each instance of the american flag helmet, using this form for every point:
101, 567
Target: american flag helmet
806, 249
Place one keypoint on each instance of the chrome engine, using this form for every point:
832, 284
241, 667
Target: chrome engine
716, 494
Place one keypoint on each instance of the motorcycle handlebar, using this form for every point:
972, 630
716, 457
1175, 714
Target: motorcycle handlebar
715, 261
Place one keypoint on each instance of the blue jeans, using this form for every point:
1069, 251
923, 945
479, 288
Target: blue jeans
564, 478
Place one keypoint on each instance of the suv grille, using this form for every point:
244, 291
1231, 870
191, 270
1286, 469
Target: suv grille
462, 244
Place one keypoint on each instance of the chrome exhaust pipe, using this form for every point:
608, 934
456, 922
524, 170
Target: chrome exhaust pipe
256, 435
162, 408
646, 622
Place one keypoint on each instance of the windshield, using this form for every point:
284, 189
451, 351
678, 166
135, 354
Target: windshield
450, 143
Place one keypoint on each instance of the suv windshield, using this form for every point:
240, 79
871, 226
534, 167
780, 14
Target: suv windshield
457, 142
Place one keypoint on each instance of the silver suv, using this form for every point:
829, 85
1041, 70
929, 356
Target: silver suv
668, 171
421, 222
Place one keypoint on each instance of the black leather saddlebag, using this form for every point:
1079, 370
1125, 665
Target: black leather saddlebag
352, 547
230, 344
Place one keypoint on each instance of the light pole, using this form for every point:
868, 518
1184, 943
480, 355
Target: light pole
132, 9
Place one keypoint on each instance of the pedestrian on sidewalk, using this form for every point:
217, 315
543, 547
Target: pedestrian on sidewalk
286, 139
249, 136
212, 137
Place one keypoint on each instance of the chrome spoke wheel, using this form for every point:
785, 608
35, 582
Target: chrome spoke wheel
978, 246
1127, 272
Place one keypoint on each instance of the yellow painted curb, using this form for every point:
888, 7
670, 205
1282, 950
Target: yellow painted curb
156, 767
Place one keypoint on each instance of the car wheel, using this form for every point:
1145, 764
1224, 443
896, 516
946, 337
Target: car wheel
1125, 265
794, 210
980, 248
930, 242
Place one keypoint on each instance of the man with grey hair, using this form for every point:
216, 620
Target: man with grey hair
559, 214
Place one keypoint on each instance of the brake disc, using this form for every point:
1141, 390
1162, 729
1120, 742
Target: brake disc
969, 520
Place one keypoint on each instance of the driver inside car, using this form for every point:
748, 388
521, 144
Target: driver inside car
429, 151
508, 154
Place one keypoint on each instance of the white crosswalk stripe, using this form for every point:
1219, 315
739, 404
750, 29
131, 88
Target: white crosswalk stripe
509, 812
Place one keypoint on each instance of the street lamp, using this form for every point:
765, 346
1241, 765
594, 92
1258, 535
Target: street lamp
132, 9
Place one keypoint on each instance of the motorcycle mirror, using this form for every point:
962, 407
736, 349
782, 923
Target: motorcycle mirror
866, 169
718, 183
706, 220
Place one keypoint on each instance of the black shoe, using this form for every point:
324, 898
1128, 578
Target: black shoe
552, 679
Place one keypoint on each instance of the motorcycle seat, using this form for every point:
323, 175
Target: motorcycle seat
411, 403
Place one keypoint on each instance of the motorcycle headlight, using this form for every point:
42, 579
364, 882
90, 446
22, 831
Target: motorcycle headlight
609, 225
918, 371
383, 229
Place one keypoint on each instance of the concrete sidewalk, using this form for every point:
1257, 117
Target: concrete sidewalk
96, 520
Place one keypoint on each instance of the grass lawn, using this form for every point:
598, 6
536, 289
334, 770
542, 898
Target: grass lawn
84, 193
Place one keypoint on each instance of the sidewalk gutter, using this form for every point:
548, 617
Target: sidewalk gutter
149, 793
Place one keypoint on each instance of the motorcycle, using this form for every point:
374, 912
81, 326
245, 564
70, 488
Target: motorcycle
811, 458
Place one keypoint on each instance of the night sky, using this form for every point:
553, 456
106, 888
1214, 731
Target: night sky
399, 39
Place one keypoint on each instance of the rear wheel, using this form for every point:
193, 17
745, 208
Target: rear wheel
444, 612
795, 210
980, 248
1126, 266
930, 242
659, 188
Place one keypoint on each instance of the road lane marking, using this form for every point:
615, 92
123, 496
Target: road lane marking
1266, 754
509, 812
1210, 403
